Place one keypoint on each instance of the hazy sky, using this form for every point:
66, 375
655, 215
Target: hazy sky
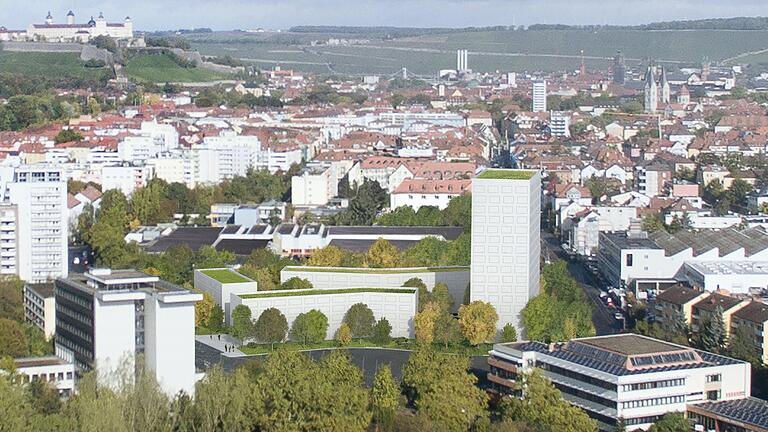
243, 14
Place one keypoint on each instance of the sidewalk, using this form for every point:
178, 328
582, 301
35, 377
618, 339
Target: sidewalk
214, 342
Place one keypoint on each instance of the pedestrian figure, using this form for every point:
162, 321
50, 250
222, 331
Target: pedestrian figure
219, 337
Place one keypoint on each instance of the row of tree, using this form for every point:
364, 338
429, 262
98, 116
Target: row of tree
290, 392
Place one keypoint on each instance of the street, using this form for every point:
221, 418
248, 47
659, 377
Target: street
602, 315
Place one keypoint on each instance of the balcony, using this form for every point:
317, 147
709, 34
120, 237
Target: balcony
509, 367
512, 384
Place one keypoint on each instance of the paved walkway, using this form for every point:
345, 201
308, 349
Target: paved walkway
218, 341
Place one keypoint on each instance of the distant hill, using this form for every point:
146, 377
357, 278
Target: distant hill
738, 23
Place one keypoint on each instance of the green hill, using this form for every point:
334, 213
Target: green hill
160, 68
503, 49
48, 64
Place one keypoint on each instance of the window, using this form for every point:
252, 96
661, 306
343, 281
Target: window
713, 395
714, 378
629, 260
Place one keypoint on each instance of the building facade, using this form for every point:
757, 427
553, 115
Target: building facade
73, 32
540, 96
506, 242
40, 307
627, 376
106, 318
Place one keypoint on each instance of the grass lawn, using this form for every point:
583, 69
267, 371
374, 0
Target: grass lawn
48, 64
494, 174
290, 293
377, 270
398, 343
162, 69
225, 276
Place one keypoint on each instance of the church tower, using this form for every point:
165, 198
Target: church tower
665, 90
651, 92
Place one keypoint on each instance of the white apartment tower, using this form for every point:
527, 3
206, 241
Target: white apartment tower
540, 96
39, 194
506, 209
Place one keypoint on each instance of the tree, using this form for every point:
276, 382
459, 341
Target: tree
204, 309
671, 422
508, 333
13, 341
329, 256
216, 320
396, 100
653, 222
448, 394
223, 402
67, 135
382, 332
382, 254
385, 397
478, 322
712, 335
447, 330
296, 283
424, 294
343, 335
360, 320
310, 327
442, 296
271, 327
543, 408
425, 321
621, 425
741, 346
11, 298
242, 323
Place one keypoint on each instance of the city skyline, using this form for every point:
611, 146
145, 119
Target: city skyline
399, 13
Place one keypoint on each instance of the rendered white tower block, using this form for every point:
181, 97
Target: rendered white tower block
506, 212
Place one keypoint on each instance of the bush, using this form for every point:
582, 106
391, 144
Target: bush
95, 63
508, 333
296, 283
360, 320
382, 332
343, 335
310, 327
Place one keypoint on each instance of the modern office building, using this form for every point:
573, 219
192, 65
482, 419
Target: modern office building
40, 307
540, 96
627, 376
39, 194
106, 318
506, 244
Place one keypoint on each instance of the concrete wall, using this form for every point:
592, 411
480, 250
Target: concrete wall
457, 281
41, 47
398, 309
221, 292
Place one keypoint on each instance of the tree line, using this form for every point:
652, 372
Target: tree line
18, 338
288, 391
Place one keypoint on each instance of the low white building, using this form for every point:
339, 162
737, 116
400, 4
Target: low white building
126, 178
221, 283
627, 376
455, 278
735, 277
397, 305
59, 374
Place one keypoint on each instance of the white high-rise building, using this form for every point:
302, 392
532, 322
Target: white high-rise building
540, 96
105, 318
39, 194
506, 210
223, 157
462, 63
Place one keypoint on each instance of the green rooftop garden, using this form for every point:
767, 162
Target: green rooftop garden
496, 174
284, 293
376, 270
225, 276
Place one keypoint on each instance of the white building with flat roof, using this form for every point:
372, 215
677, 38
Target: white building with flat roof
627, 376
506, 241
40, 307
540, 96
105, 318
58, 373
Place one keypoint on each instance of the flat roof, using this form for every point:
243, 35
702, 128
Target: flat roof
44, 290
730, 267
25, 362
296, 293
449, 233
120, 274
355, 245
506, 174
631, 344
621, 240
225, 276
193, 237
376, 270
